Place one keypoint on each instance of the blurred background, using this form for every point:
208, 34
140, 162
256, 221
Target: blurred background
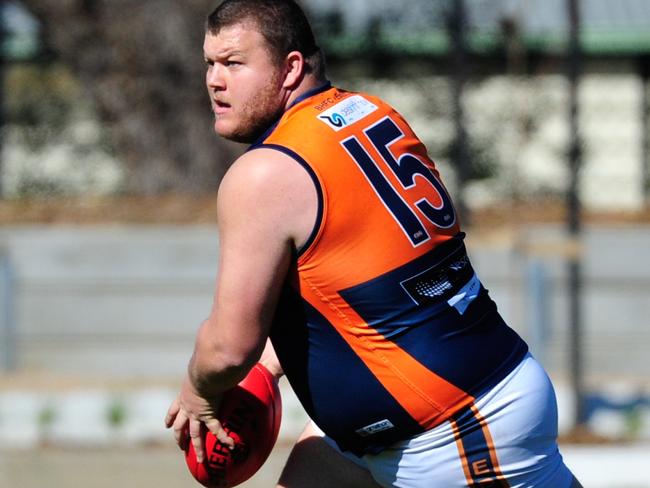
537, 113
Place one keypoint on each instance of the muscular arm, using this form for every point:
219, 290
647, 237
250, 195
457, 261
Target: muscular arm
267, 205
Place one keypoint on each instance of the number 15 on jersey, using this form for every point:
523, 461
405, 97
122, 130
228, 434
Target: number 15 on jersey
406, 167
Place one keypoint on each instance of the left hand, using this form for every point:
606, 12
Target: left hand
188, 413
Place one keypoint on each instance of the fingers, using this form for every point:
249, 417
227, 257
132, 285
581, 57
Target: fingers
180, 429
189, 415
222, 436
194, 434
172, 412
196, 438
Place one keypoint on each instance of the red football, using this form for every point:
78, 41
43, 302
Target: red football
251, 413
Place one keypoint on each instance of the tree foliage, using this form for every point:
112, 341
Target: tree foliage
141, 64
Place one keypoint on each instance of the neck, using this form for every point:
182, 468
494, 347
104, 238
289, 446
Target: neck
308, 83
291, 97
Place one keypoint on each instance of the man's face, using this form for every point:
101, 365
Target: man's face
244, 84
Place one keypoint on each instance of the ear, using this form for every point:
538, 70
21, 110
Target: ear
294, 69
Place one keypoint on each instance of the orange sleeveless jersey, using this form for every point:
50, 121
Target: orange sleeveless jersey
383, 329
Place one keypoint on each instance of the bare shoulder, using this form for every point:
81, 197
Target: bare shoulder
267, 167
269, 188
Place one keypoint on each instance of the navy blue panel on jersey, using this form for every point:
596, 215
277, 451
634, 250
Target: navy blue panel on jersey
469, 346
333, 384
413, 293
473, 351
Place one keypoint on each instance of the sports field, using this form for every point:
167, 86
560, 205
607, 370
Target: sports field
153, 467
612, 466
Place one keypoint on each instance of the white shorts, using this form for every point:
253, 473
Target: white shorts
507, 438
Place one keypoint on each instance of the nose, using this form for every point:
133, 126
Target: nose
214, 77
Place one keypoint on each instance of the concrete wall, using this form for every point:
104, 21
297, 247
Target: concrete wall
127, 301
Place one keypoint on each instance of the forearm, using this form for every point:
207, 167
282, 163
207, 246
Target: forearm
270, 360
216, 366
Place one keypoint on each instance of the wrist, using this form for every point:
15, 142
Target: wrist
273, 366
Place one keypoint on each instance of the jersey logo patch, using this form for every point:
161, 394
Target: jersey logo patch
438, 283
347, 112
466, 295
375, 428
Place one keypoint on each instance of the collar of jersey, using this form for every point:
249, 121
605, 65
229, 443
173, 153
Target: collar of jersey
308, 94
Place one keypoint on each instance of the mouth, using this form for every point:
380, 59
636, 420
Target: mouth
220, 107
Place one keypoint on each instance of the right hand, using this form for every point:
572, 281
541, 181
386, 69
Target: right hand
189, 413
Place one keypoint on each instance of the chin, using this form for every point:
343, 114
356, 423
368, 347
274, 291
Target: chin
222, 130
237, 134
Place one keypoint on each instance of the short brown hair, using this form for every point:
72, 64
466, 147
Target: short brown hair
282, 23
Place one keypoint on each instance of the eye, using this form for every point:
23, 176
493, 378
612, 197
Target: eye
233, 63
